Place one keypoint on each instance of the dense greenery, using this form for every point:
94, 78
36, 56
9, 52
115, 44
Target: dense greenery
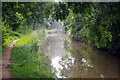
21, 17
95, 23
17, 14
29, 63
24, 21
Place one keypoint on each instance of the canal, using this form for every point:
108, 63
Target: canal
73, 59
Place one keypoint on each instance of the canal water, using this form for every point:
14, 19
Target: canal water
72, 59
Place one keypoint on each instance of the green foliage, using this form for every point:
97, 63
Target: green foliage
5, 32
60, 11
19, 18
29, 63
8, 35
95, 23
16, 14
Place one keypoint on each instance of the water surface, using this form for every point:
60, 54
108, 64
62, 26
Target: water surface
72, 59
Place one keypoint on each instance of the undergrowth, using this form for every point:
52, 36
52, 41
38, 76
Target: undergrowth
29, 63
10, 38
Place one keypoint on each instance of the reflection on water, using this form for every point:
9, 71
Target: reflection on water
57, 66
78, 60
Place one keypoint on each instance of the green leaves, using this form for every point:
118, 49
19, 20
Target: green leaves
95, 23
60, 11
16, 14
29, 63
100, 21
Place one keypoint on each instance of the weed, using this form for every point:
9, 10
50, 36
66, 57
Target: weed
29, 63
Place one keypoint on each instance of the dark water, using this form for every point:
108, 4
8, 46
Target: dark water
70, 59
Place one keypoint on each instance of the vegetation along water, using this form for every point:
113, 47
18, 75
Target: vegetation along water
62, 39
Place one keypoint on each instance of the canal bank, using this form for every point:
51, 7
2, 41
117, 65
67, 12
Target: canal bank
73, 59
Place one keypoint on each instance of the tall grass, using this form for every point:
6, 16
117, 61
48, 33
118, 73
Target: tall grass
11, 38
29, 63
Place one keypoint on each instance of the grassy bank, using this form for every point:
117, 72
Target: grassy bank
9, 38
29, 63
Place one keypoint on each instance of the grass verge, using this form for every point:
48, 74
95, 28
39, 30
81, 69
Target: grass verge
11, 38
29, 63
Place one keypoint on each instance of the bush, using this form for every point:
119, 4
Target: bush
29, 63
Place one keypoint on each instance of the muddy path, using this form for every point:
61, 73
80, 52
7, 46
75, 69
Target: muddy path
6, 60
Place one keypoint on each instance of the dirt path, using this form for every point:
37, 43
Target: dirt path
6, 60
